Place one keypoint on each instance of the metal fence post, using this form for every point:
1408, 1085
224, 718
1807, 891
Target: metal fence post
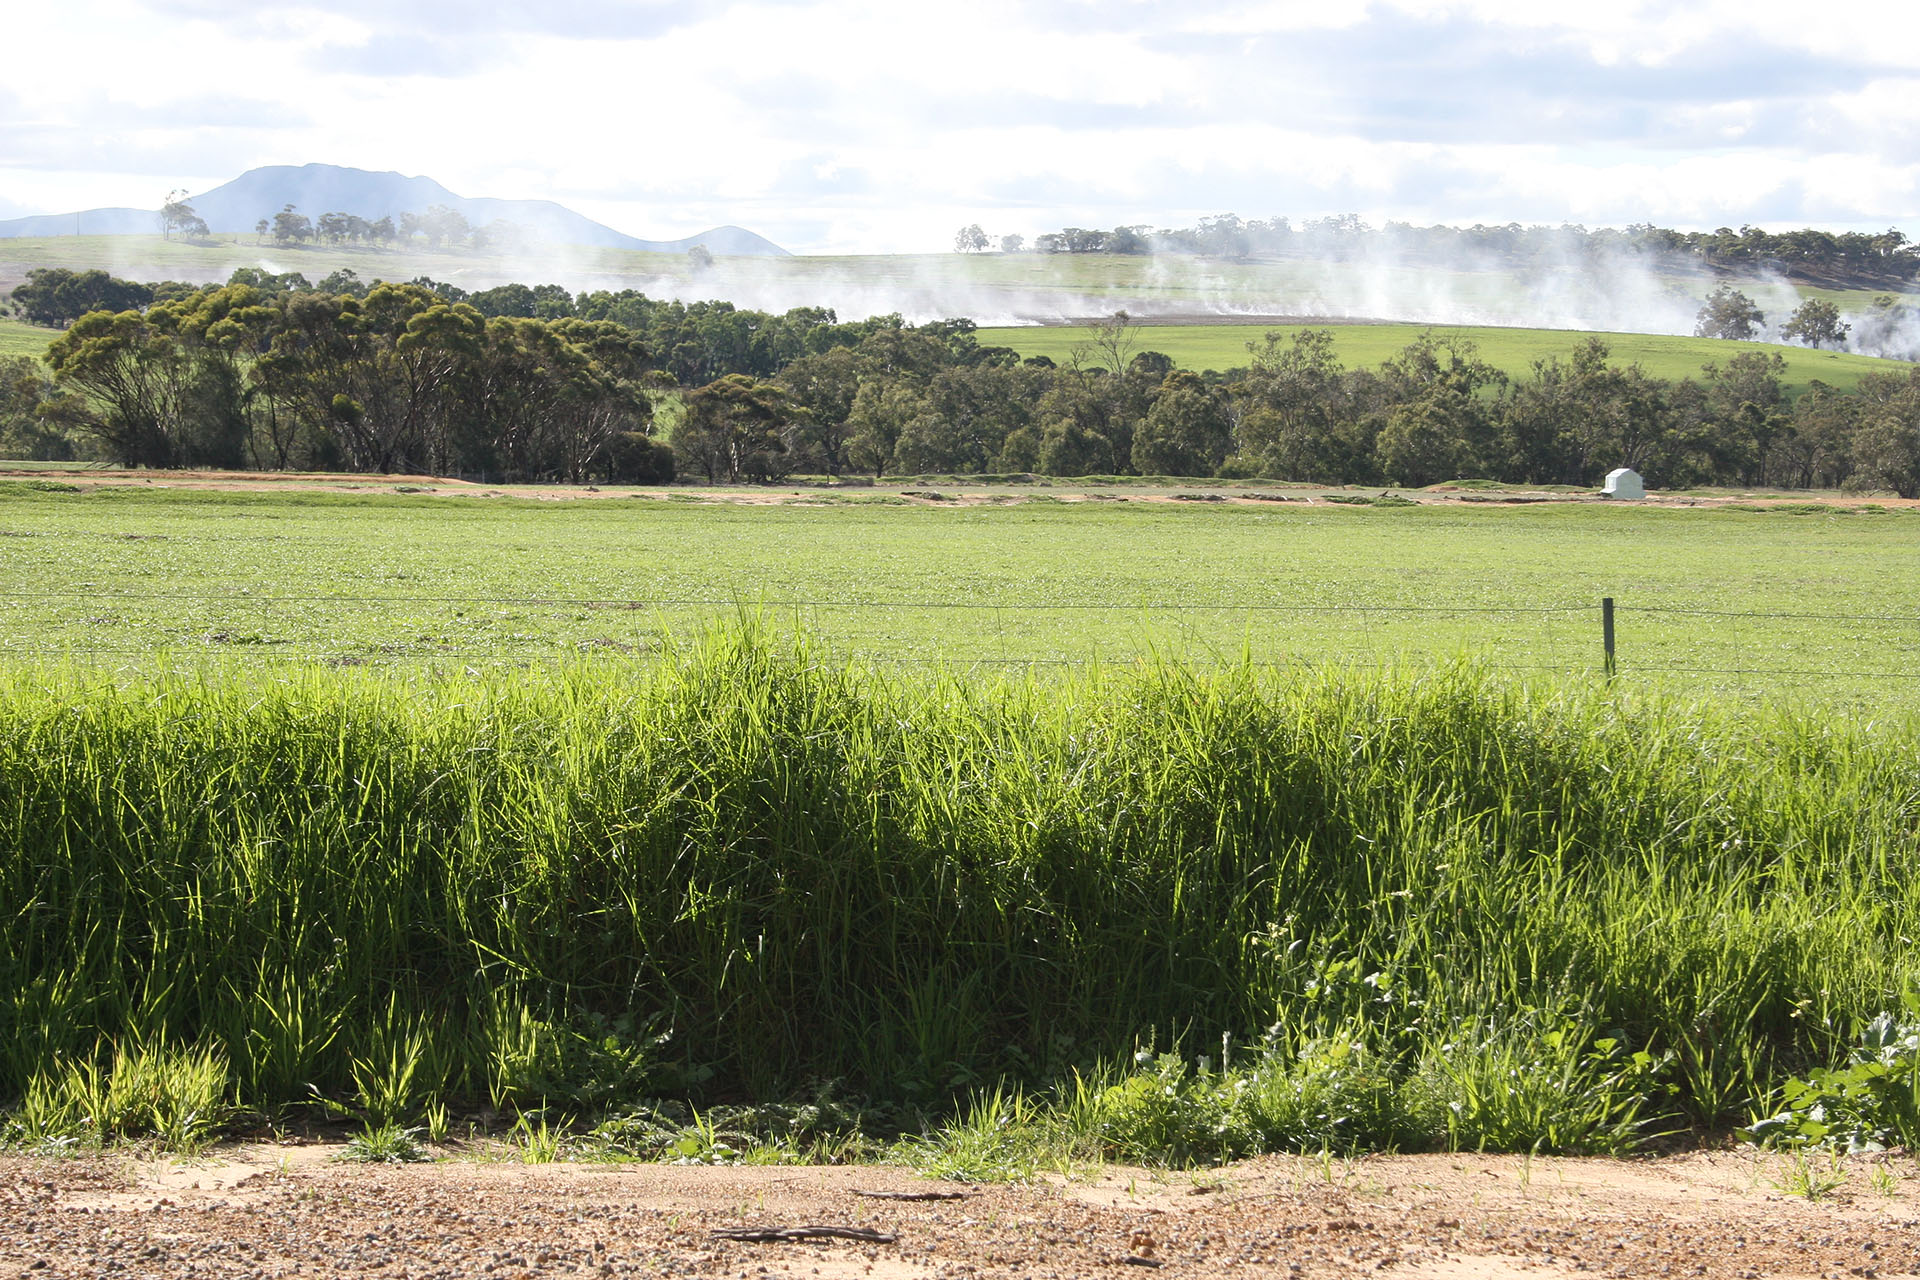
1606, 631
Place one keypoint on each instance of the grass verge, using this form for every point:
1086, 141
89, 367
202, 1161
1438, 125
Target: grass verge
1410, 911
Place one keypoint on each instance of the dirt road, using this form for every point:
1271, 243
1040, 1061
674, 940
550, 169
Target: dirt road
267, 1211
1058, 489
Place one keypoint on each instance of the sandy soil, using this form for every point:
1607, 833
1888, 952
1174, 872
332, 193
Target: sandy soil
1060, 490
280, 1211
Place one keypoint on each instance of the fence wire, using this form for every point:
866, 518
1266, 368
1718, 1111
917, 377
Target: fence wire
237, 626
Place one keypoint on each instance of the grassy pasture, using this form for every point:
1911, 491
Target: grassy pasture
988, 287
152, 258
147, 575
448, 844
18, 338
1225, 346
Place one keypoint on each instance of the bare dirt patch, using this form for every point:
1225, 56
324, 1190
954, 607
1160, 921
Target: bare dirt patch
1057, 489
268, 1211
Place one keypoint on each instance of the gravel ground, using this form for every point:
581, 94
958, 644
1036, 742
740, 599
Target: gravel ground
262, 1211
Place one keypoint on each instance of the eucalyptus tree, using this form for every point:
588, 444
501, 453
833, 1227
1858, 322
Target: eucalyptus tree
737, 428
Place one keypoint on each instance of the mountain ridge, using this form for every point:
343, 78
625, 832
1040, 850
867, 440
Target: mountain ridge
235, 207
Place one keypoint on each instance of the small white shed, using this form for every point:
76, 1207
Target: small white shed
1623, 482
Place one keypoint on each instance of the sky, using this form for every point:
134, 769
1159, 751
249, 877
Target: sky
884, 126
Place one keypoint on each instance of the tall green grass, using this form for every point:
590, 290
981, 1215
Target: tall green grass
747, 869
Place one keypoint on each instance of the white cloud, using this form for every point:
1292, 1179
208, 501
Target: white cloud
867, 124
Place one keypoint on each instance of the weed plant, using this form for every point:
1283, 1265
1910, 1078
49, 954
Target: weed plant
385, 1144
1443, 908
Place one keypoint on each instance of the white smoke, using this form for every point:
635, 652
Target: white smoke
1564, 286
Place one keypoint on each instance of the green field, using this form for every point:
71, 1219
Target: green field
378, 803
990, 287
150, 258
130, 574
1225, 346
17, 338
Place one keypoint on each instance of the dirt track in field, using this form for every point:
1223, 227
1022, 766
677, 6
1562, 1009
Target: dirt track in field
1060, 489
264, 1211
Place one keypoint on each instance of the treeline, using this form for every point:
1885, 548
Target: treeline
439, 226
56, 297
1885, 255
399, 380
531, 384
1434, 412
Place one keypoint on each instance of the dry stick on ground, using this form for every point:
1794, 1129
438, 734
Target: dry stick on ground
914, 1195
764, 1234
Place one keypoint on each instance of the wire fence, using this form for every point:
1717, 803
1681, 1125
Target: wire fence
1754, 648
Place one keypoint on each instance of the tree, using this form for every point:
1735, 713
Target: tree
1440, 425
969, 239
36, 419
344, 280
736, 429
383, 383
57, 297
176, 215
1575, 420
1423, 443
632, 457
1886, 444
548, 407
1078, 435
1224, 236
333, 227
132, 374
1012, 244
503, 300
1886, 452
824, 386
1817, 323
1824, 420
444, 226
1112, 342
166, 386
1728, 313
1746, 418
1292, 403
270, 282
260, 231
966, 415
1186, 432
882, 410
290, 226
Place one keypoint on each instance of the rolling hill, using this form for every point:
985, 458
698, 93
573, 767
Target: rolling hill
233, 208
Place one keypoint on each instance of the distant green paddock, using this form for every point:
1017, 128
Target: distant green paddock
1225, 346
989, 287
1816, 605
17, 338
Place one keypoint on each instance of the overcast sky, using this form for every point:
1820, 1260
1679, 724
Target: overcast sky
883, 125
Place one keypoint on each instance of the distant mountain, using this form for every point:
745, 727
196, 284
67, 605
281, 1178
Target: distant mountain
89, 222
235, 207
